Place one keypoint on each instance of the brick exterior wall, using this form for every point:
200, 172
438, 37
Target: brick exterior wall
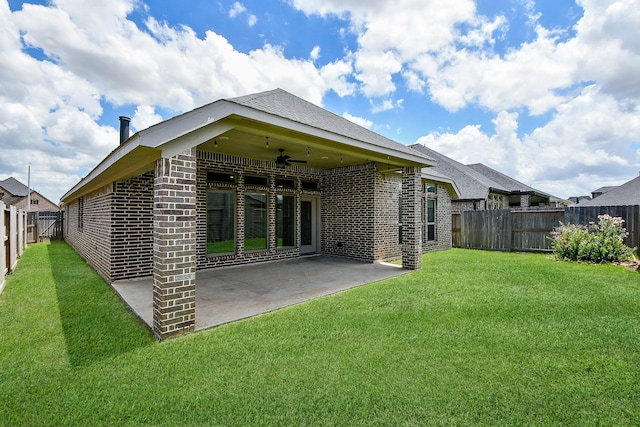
348, 211
359, 210
411, 221
88, 229
132, 228
388, 188
443, 222
174, 241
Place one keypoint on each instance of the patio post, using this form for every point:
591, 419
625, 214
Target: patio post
411, 219
174, 245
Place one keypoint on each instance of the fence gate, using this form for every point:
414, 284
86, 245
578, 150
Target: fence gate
43, 225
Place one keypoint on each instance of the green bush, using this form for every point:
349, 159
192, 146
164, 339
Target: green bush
600, 242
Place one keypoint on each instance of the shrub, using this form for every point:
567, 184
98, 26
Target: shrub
600, 242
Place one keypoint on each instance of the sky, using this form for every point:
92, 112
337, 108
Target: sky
547, 92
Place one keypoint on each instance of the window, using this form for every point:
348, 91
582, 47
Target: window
255, 221
80, 213
285, 183
220, 222
310, 185
221, 177
256, 180
34, 201
431, 219
285, 221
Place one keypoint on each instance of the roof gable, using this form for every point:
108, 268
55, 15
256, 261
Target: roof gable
15, 187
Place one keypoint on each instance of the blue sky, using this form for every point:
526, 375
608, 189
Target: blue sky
547, 92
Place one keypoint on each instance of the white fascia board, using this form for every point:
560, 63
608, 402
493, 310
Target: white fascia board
193, 139
113, 157
444, 180
184, 124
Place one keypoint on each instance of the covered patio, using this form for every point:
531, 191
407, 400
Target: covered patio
228, 294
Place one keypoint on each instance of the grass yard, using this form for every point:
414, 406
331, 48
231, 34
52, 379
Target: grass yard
475, 338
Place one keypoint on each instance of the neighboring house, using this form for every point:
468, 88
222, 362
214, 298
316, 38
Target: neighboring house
15, 193
600, 191
261, 177
622, 195
481, 187
578, 200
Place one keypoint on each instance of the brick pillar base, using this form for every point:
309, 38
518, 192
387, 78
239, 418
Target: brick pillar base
174, 245
411, 221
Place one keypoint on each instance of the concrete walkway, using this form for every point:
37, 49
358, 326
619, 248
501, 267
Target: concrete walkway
227, 294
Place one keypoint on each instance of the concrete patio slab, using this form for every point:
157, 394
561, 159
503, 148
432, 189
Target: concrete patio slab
227, 294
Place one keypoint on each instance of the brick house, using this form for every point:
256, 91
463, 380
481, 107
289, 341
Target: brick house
261, 177
481, 187
15, 193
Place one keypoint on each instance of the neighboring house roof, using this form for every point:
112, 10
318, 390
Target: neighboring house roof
292, 122
471, 184
476, 181
15, 187
625, 194
578, 200
17, 192
505, 181
600, 191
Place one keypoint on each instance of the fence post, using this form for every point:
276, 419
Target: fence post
3, 246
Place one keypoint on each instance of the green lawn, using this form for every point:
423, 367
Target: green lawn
475, 338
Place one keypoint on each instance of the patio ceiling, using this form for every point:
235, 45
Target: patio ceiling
248, 139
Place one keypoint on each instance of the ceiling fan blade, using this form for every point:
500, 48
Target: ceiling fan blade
297, 161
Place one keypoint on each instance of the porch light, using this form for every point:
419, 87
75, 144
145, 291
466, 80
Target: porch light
267, 142
215, 142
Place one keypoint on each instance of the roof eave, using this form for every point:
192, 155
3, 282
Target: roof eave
190, 129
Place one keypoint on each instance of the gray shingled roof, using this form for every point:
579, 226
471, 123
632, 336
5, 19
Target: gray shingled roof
502, 179
279, 102
625, 194
472, 185
15, 187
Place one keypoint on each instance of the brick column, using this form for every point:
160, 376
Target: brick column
411, 221
525, 201
174, 245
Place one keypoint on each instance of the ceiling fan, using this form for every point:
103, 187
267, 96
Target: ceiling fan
285, 160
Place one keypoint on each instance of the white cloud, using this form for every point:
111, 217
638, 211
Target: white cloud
448, 51
252, 20
336, 76
95, 54
237, 9
144, 117
381, 105
588, 143
361, 121
315, 53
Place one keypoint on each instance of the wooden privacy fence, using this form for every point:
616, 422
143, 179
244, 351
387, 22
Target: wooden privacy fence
43, 225
529, 229
13, 238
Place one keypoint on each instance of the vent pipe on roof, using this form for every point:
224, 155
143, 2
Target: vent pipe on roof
124, 128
